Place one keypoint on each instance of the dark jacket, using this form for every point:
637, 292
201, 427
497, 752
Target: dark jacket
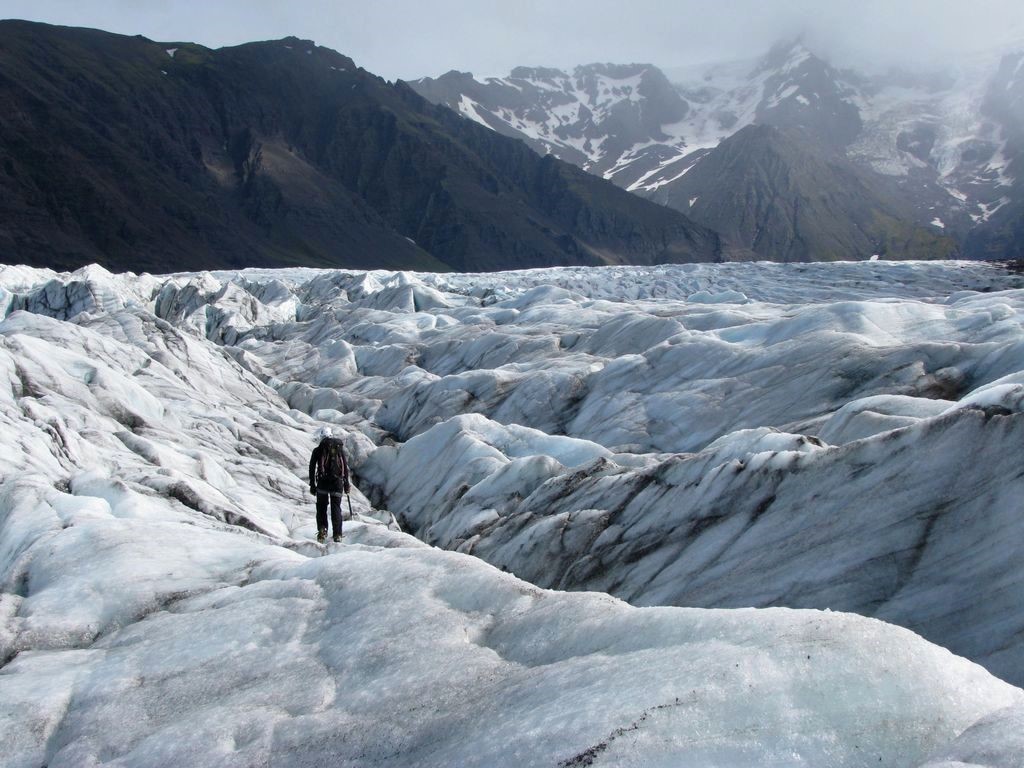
317, 479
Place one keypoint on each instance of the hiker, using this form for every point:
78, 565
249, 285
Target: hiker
328, 479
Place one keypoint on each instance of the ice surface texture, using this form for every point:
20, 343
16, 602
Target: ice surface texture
824, 437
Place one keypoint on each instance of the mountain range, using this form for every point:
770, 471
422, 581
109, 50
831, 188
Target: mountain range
786, 154
163, 156
168, 156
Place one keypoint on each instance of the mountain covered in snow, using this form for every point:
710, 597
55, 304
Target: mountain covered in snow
617, 121
156, 156
936, 153
741, 457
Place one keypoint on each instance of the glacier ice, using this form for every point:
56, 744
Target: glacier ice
718, 437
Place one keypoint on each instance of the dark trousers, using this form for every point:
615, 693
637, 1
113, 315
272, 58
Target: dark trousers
321, 511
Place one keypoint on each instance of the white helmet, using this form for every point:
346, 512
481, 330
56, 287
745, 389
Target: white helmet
323, 433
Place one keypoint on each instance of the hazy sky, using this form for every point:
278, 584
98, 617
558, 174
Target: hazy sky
413, 38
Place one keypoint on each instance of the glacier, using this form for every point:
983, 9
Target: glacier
713, 515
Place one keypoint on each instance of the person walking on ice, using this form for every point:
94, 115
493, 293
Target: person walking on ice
328, 480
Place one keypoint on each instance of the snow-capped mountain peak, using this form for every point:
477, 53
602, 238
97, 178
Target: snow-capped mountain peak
603, 117
631, 124
786, 56
940, 150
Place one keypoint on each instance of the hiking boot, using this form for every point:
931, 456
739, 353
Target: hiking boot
321, 536
337, 537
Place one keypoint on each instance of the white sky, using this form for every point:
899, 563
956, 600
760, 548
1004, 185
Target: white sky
413, 38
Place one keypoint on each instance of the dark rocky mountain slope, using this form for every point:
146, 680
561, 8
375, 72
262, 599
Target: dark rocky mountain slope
778, 193
170, 156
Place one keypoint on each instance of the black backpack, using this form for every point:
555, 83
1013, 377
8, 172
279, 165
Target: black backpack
332, 460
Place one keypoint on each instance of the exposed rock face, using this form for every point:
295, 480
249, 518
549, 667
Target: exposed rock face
165, 156
775, 192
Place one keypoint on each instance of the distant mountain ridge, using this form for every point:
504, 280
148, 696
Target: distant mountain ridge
939, 153
167, 156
